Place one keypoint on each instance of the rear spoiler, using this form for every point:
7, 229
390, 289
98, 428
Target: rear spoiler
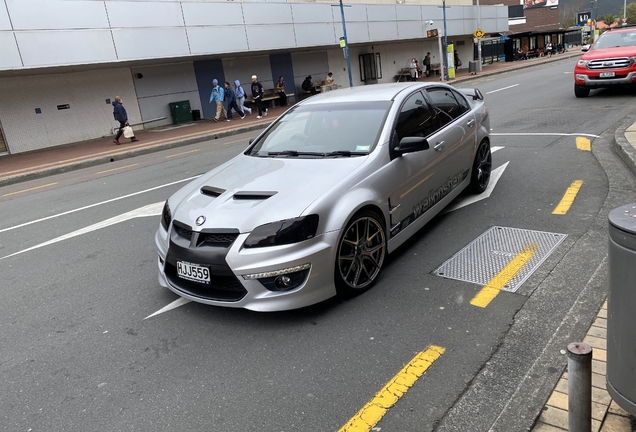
473, 93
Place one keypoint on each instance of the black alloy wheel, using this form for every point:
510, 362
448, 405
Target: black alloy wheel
361, 253
482, 167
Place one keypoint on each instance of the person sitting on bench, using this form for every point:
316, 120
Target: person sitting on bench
309, 86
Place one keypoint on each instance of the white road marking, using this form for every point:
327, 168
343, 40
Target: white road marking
175, 304
504, 88
542, 134
96, 204
495, 175
495, 148
149, 210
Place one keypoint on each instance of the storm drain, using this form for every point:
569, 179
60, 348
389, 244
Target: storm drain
489, 253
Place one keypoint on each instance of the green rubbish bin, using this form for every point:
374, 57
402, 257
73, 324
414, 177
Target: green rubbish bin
180, 112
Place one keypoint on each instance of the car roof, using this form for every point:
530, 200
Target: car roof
366, 93
627, 28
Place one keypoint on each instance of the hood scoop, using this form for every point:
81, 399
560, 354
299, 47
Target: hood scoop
252, 196
211, 191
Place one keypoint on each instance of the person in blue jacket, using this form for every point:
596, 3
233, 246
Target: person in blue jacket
230, 100
120, 114
217, 95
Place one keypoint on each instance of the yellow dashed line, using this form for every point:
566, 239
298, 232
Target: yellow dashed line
583, 143
568, 198
183, 153
494, 286
377, 407
30, 189
116, 169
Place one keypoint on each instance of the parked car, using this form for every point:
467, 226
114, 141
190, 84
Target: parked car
316, 202
608, 62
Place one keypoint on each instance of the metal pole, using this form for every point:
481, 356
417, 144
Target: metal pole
441, 56
344, 30
445, 43
479, 40
624, 12
579, 387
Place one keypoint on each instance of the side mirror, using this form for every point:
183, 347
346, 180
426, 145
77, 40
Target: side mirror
585, 48
412, 144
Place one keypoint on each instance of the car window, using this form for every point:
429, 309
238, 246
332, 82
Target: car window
461, 99
325, 128
615, 39
416, 118
446, 102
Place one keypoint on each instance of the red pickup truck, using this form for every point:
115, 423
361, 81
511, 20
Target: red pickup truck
609, 62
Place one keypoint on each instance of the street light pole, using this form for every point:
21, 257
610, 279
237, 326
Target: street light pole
344, 30
445, 43
479, 39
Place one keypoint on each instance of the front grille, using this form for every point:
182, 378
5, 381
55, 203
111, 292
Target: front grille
220, 239
183, 232
221, 288
609, 63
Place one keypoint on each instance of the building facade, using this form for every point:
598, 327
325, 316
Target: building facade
62, 62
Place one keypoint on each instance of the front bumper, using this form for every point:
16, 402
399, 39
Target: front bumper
593, 80
232, 290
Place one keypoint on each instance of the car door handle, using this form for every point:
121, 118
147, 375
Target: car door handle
471, 123
439, 146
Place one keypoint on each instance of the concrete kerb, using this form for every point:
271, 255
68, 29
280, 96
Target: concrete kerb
622, 146
103, 160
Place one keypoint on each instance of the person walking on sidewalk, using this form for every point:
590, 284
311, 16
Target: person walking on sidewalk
427, 63
548, 49
120, 114
230, 100
257, 95
217, 96
413, 70
240, 97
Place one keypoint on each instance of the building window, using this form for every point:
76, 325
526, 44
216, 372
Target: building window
370, 66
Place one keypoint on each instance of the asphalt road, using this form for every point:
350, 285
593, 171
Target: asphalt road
78, 351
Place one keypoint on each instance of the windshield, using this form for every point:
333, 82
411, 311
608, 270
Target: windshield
324, 130
615, 39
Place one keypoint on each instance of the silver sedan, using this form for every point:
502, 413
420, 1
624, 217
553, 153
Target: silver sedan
313, 206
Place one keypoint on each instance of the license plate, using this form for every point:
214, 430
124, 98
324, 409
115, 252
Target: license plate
607, 74
193, 272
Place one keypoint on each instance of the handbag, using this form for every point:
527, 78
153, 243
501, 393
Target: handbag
128, 132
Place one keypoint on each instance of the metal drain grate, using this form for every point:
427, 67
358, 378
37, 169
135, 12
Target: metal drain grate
489, 253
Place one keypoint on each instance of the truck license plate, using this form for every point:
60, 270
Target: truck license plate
607, 74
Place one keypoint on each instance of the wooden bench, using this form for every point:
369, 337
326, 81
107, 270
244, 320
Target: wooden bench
532, 54
403, 74
271, 95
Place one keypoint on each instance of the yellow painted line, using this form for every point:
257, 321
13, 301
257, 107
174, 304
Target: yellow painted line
377, 407
116, 169
583, 143
30, 189
494, 285
183, 153
568, 198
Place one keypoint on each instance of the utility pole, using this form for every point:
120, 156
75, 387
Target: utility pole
479, 39
445, 43
346, 41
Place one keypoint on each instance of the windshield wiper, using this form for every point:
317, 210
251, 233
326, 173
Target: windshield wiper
295, 153
346, 153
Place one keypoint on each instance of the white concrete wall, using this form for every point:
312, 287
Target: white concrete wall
43, 33
88, 117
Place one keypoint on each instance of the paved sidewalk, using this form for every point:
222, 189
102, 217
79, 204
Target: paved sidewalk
15, 168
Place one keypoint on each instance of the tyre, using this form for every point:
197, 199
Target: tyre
581, 91
360, 254
482, 167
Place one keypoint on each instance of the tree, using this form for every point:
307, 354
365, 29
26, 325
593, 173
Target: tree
631, 13
608, 19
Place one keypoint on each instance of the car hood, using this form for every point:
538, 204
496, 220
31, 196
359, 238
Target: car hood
603, 53
250, 191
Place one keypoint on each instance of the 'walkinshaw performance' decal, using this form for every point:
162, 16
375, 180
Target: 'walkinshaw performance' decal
433, 197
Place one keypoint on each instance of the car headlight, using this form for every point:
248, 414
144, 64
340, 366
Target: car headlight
283, 232
583, 63
166, 216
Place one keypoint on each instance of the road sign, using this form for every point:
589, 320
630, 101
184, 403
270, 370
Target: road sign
478, 34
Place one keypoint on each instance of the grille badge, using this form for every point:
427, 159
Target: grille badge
200, 220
